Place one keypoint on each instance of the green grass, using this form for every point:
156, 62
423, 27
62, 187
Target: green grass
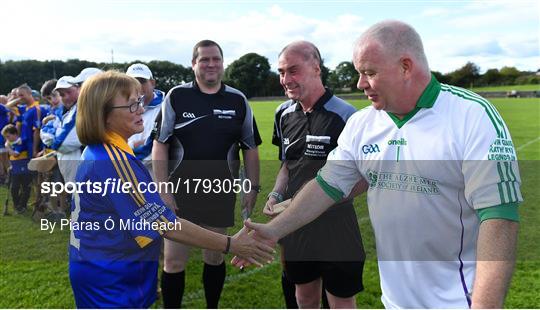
528, 87
33, 263
503, 88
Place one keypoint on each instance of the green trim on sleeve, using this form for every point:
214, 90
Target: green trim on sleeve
507, 211
332, 192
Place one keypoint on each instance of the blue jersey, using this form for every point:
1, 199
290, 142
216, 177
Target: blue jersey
114, 265
58, 110
30, 120
45, 110
4, 120
19, 161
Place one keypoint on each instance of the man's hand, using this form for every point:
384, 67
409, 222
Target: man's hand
48, 118
273, 208
250, 249
262, 237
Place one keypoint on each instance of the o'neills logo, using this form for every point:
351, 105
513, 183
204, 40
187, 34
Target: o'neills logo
401, 141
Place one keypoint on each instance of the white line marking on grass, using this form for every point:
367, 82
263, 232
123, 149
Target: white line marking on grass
228, 279
527, 144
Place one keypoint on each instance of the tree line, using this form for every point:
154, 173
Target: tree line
250, 73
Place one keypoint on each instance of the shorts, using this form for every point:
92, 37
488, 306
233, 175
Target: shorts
213, 215
341, 279
213, 208
332, 237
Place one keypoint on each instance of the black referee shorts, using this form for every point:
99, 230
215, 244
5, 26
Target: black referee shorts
341, 279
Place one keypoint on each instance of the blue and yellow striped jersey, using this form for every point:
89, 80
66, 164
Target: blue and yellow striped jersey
113, 262
19, 161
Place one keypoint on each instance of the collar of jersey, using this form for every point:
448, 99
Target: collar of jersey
320, 102
220, 91
426, 101
34, 104
115, 139
430, 94
156, 101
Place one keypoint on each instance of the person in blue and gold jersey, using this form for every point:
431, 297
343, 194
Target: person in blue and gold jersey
116, 235
19, 156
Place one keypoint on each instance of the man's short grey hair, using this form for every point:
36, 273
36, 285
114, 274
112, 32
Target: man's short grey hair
305, 48
396, 38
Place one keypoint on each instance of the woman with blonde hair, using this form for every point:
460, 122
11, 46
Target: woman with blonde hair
116, 233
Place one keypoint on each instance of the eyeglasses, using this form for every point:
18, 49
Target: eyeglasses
134, 107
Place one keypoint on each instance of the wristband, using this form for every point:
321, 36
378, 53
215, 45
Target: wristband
276, 196
228, 245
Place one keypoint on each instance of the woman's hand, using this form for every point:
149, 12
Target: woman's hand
252, 248
260, 236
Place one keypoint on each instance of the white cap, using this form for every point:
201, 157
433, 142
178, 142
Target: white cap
84, 75
140, 71
64, 82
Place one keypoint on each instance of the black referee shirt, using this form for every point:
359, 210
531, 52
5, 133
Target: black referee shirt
207, 126
306, 139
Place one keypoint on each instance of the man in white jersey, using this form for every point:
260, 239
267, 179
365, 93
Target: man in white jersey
441, 175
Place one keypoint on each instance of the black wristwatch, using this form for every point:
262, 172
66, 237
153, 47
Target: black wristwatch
256, 188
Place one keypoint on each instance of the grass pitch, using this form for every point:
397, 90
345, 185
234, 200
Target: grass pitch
34, 268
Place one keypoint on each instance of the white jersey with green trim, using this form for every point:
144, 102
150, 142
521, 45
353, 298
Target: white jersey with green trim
428, 174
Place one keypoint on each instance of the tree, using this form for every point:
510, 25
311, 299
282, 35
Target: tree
509, 75
465, 76
344, 76
272, 87
169, 75
249, 74
492, 77
441, 77
325, 73
333, 82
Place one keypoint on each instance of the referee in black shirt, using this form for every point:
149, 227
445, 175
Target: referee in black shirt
329, 250
197, 135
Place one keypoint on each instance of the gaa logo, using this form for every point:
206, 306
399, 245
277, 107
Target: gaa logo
370, 148
188, 115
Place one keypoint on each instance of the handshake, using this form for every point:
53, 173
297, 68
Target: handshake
259, 236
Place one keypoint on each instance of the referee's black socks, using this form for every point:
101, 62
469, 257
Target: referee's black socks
172, 289
213, 280
289, 291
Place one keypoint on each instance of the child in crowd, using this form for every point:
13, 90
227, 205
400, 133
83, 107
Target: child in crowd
21, 178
